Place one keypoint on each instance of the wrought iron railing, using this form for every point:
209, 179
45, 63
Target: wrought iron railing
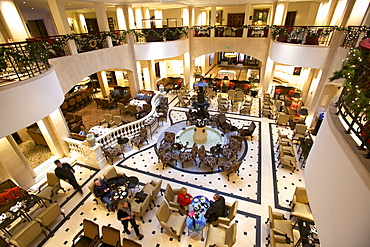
22, 60
159, 34
357, 123
353, 34
306, 35
56, 45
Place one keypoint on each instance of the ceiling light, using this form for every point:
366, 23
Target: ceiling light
33, 8
24, 2
230, 54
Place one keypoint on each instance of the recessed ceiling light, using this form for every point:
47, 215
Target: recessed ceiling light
24, 2
33, 8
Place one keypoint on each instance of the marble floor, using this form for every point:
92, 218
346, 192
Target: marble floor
259, 184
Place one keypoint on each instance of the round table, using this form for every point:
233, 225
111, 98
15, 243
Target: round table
118, 195
195, 221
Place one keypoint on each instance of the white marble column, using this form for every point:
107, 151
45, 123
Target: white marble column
13, 21
280, 13
101, 16
213, 19
103, 82
121, 17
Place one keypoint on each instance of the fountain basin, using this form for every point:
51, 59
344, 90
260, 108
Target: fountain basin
214, 136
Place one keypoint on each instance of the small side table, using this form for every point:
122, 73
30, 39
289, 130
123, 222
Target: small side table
124, 142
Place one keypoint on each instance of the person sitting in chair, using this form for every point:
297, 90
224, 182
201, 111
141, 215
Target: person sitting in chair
183, 197
217, 209
101, 190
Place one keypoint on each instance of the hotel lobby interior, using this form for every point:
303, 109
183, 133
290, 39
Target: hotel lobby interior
263, 103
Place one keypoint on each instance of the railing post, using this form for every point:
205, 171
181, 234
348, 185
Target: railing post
72, 47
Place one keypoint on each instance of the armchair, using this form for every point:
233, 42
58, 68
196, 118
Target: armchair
107, 121
206, 158
230, 166
110, 237
116, 122
90, 236
111, 172
27, 235
224, 123
283, 119
300, 205
171, 197
108, 104
299, 132
220, 236
277, 240
96, 199
153, 188
126, 242
170, 220
46, 217
165, 157
287, 158
132, 110
139, 209
232, 213
186, 156
168, 137
50, 188
279, 225
143, 136
228, 152
112, 153
248, 130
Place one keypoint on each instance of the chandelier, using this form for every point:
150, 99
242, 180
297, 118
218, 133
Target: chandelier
230, 54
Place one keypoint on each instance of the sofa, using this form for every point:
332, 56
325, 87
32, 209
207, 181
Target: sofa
10, 194
169, 82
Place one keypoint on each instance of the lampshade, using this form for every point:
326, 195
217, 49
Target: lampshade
303, 111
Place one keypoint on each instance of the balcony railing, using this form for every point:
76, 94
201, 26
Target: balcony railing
22, 60
226, 31
306, 35
160, 34
353, 34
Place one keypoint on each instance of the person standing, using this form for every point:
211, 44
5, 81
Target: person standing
217, 209
66, 172
125, 215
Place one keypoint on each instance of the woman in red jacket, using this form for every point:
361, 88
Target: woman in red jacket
183, 197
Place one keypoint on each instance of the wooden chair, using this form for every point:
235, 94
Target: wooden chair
187, 156
247, 130
165, 157
207, 158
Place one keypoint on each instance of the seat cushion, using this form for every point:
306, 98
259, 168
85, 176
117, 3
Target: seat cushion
216, 236
45, 193
303, 211
148, 188
177, 222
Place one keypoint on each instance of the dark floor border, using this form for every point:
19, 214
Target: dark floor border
87, 180
274, 171
68, 216
258, 226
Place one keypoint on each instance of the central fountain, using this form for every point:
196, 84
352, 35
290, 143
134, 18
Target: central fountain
201, 114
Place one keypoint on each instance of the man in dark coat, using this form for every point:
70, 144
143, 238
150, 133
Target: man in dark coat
66, 172
101, 190
217, 209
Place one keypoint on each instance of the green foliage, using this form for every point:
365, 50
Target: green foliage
356, 73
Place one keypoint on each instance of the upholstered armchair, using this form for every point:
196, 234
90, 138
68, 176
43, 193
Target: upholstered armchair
141, 138
283, 119
96, 199
140, 208
170, 220
27, 234
230, 166
229, 152
236, 142
299, 132
224, 123
279, 224
46, 217
90, 235
153, 188
165, 157
248, 130
232, 208
171, 197
111, 172
206, 158
245, 109
107, 121
221, 235
169, 137
126, 242
116, 122
277, 240
300, 205
287, 157
112, 152
110, 237
187, 156
50, 188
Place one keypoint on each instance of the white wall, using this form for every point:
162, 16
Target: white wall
172, 13
306, 12
37, 15
299, 56
338, 188
161, 50
26, 102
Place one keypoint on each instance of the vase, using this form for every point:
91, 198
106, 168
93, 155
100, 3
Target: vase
90, 139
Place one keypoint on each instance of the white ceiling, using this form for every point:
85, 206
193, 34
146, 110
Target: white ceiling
42, 5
